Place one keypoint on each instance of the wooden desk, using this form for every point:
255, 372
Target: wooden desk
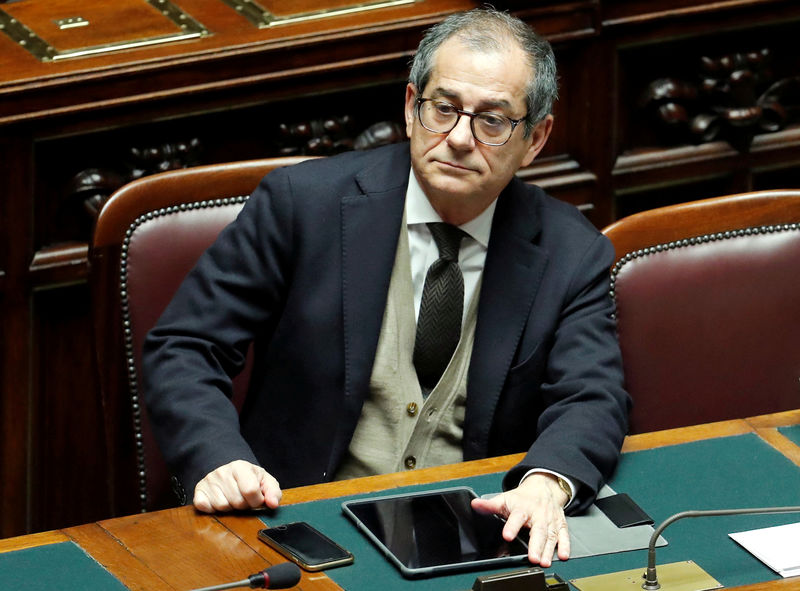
181, 549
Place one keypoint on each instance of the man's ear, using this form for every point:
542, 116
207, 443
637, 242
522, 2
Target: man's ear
411, 97
538, 139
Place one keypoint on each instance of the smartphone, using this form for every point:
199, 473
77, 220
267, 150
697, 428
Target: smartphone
303, 544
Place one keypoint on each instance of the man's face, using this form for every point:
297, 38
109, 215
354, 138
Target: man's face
461, 176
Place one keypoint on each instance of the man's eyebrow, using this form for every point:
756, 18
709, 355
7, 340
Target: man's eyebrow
440, 92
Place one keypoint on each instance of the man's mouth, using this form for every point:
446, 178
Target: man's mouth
456, 165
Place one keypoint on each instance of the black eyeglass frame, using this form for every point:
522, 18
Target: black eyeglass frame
471, 115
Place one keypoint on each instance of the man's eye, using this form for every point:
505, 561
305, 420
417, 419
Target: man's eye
445, 109
492, 120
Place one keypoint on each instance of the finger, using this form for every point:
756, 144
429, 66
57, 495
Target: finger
229, 498
228, 492
495, 505
248, 487
201, 501
514, 523
536, 544
271, 490
551, 539
221, 489
564, 547
211, 487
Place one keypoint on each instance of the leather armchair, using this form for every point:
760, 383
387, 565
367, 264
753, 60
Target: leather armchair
708, 308
148, 236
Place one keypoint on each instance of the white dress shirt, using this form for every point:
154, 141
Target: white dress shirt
471, 256
423, 249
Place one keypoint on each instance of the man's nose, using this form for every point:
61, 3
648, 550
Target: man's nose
460, 136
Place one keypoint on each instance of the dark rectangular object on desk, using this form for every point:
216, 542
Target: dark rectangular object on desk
623, 511
433, 532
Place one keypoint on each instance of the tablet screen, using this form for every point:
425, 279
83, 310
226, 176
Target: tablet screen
433, 531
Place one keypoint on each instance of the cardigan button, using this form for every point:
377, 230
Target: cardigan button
411, 462
412, 409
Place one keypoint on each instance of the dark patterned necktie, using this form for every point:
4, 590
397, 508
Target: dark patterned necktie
439, 321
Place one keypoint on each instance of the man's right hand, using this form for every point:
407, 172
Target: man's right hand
238, 485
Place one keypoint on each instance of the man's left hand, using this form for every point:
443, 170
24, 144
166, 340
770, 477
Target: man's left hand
537, 503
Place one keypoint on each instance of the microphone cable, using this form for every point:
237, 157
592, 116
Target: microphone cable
280, 576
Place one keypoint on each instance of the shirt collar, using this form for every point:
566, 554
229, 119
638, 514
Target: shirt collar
420, 211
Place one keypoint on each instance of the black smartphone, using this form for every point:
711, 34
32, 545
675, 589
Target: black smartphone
303, 544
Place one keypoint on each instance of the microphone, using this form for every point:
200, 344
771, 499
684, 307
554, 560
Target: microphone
280, 576
651, 579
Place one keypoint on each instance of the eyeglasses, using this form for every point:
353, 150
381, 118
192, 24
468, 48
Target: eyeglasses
492, 129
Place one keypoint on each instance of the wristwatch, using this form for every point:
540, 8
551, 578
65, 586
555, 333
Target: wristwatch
564, 485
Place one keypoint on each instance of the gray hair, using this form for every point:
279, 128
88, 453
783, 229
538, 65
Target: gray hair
486, 29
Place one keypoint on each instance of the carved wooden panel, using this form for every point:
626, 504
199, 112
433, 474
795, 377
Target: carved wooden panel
731, 97
705, 115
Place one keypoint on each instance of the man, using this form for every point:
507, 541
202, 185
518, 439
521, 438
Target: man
325, 270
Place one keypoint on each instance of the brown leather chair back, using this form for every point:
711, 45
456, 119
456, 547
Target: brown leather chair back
148, 236
708, 308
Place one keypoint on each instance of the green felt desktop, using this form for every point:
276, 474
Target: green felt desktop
729, 472
54, 566
792, 433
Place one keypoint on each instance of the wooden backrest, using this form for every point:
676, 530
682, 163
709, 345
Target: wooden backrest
708, 312
148, 236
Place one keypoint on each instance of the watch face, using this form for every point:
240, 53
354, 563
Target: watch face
565, 487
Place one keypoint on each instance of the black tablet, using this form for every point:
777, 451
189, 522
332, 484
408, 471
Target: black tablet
434, 532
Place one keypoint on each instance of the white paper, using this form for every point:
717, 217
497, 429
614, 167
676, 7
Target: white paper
777, 547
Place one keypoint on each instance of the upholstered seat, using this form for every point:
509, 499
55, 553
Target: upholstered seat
148, 236
708, 308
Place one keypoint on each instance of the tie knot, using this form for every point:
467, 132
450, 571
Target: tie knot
448, 239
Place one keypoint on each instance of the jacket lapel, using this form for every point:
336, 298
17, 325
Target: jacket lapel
370, 229
512, 275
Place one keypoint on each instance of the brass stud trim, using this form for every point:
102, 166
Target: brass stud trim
130, 358
706, 238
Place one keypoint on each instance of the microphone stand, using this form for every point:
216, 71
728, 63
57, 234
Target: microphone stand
651, 580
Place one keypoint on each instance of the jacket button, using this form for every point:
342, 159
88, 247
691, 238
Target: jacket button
412, 408
178, 489
411, 462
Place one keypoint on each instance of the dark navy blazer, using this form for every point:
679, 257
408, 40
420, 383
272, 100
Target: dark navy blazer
304, 273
